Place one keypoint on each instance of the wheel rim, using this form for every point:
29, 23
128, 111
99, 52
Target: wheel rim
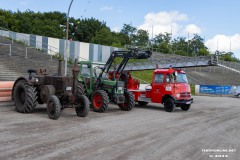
168, 106
80, 107
51, 108
21, 96
126, 101
97, 101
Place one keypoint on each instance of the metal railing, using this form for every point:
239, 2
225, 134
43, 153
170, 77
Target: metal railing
10, 48
50, 50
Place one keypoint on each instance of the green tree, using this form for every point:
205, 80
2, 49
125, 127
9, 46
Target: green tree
87, 29
142, 38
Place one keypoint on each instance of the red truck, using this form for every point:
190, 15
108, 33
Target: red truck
169, 87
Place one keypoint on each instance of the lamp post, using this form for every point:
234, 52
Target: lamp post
67, 37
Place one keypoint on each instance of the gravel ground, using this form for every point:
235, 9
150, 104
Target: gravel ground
209, 130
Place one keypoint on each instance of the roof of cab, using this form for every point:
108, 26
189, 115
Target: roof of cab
168, 71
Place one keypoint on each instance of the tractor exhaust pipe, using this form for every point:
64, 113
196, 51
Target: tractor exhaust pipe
75, 71
60, 68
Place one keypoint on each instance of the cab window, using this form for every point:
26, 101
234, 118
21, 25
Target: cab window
158, 78
85, 71
169, 78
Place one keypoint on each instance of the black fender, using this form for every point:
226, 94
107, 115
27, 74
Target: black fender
165, 97
19, 79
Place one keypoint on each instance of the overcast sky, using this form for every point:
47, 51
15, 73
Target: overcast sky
215, 20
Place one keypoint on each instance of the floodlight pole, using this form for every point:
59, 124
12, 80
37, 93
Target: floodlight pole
67, 37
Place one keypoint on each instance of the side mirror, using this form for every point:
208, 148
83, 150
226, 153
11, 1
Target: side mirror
175, 74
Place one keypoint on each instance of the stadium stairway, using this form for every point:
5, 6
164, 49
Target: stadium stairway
17, 64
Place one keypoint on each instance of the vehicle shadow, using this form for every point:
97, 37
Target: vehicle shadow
154, 107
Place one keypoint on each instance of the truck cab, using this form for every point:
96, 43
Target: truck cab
169, 87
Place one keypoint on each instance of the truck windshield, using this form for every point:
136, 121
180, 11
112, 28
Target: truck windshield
182, 78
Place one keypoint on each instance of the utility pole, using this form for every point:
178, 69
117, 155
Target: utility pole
66, 54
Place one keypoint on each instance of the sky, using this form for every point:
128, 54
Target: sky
214, 20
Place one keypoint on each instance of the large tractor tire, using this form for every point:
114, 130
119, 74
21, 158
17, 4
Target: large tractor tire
99, 101
83, 107
169, 105
81, 89
129, 101
54, 107
186, 107
25, 97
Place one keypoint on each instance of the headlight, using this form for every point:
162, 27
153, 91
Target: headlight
178, 95
36, 79
168, 88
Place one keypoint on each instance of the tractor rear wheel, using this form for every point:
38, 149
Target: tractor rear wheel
83, 107
25, 97
129, 101
186, 107
99, 101
54, 107
169, 105
81, 89
141, 103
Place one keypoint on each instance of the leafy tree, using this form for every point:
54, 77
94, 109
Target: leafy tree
142, 38
87, 29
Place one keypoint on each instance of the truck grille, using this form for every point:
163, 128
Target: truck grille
185, 95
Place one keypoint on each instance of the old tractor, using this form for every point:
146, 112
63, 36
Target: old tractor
102, 85
57, 91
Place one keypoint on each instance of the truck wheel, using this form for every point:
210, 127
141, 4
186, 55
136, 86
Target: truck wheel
25, 97
169, 105
141, 103
238, 95
80, 89
99, 101
129, 101
186, 107
83, 108
53, 107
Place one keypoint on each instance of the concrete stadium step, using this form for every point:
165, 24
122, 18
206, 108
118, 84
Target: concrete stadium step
17, 65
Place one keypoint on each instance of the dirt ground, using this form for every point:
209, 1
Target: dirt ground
209, 130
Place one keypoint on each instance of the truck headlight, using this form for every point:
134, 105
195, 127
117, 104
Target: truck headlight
178, 95
36, 80
168, 88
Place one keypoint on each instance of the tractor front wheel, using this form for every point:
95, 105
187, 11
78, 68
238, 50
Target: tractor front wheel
129, 101
54, 107
83, 107
169, 105
99, 101
25, 97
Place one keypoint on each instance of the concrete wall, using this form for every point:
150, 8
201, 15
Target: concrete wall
80, 50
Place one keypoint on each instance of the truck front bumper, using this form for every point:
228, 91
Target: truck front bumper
180, 102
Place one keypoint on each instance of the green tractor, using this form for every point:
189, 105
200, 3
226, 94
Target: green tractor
95, 82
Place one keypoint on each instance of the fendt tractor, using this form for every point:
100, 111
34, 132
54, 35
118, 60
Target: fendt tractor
169, 87
57, 91
100, 86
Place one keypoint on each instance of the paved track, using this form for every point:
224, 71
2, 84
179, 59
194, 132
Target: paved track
143, 133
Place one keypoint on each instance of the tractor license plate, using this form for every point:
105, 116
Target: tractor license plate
188, 103
68, 88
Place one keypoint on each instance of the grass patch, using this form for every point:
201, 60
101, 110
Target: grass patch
192, 86
145, 75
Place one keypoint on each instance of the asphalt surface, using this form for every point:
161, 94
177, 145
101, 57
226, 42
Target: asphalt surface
209, 130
